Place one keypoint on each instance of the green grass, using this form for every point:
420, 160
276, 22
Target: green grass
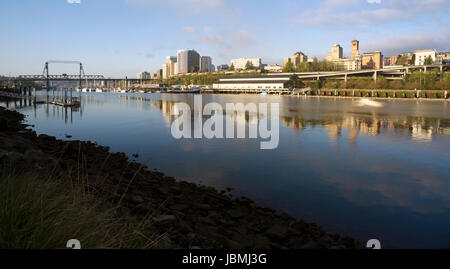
38, 213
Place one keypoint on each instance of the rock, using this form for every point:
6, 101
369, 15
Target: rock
179, 207
261, 242
204, 206
232, 244
310, 245
277, 231
235, 213
3, 125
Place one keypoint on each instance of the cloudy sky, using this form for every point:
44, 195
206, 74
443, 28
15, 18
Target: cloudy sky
123, 37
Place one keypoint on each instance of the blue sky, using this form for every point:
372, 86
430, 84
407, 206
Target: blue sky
122, 37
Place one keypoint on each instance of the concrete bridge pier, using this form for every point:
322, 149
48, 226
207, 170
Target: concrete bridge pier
375, 76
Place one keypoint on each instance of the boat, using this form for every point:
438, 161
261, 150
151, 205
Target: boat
98, 90
367, 102
264, 93
84, 90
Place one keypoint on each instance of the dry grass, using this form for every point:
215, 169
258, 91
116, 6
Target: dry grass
44, 213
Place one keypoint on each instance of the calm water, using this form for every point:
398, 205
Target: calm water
362, 171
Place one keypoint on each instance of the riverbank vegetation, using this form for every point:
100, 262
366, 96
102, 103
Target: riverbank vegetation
314, 66
39, 212
431, 80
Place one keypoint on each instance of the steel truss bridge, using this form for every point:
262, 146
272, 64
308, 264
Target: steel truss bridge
80, 77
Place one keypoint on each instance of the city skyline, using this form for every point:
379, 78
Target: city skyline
124, 37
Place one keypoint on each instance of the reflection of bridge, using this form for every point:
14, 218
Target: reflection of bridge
46, 77
391, 73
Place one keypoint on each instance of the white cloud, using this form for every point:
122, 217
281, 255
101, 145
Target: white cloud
357, 12
182, 3
439, 40
188, 30
243, 37
74, 1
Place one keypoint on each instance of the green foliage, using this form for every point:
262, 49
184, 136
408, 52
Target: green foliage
231, 68
38, 213
288, 67
201, 79
318, 66
428, 61
403, 60
249, 66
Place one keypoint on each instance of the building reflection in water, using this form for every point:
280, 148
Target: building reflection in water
420, 128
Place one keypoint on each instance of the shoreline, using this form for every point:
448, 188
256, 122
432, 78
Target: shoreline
192, 215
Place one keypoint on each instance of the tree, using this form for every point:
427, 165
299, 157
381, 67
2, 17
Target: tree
231, 68
428, 61
288, 67
249, 66
403, 60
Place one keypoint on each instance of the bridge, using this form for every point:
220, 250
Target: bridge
47, 77
391, 73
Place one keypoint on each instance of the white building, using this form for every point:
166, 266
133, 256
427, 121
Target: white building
422, 55
239, 64
273, 82
273, 68
143, 75
205, 64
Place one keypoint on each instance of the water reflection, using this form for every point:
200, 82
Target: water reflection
420, 128
363, 171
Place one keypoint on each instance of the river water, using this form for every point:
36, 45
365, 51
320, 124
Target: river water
359, 170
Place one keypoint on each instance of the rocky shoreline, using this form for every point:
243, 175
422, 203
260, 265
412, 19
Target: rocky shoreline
192, 216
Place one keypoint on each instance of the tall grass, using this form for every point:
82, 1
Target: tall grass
44, 213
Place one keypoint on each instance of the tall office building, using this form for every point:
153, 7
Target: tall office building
165, 71
143, 75
188, 61
355, 49
205, 64
296, 59
171, 62
336, 53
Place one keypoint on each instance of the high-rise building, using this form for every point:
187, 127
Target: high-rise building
355, 49
165, 71
188, 61
241, 63
336, 56
205, 64
296, 59
159, 73
336, 53
171, 62
143, 75
222, 67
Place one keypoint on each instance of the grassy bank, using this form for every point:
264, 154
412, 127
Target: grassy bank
45, 212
